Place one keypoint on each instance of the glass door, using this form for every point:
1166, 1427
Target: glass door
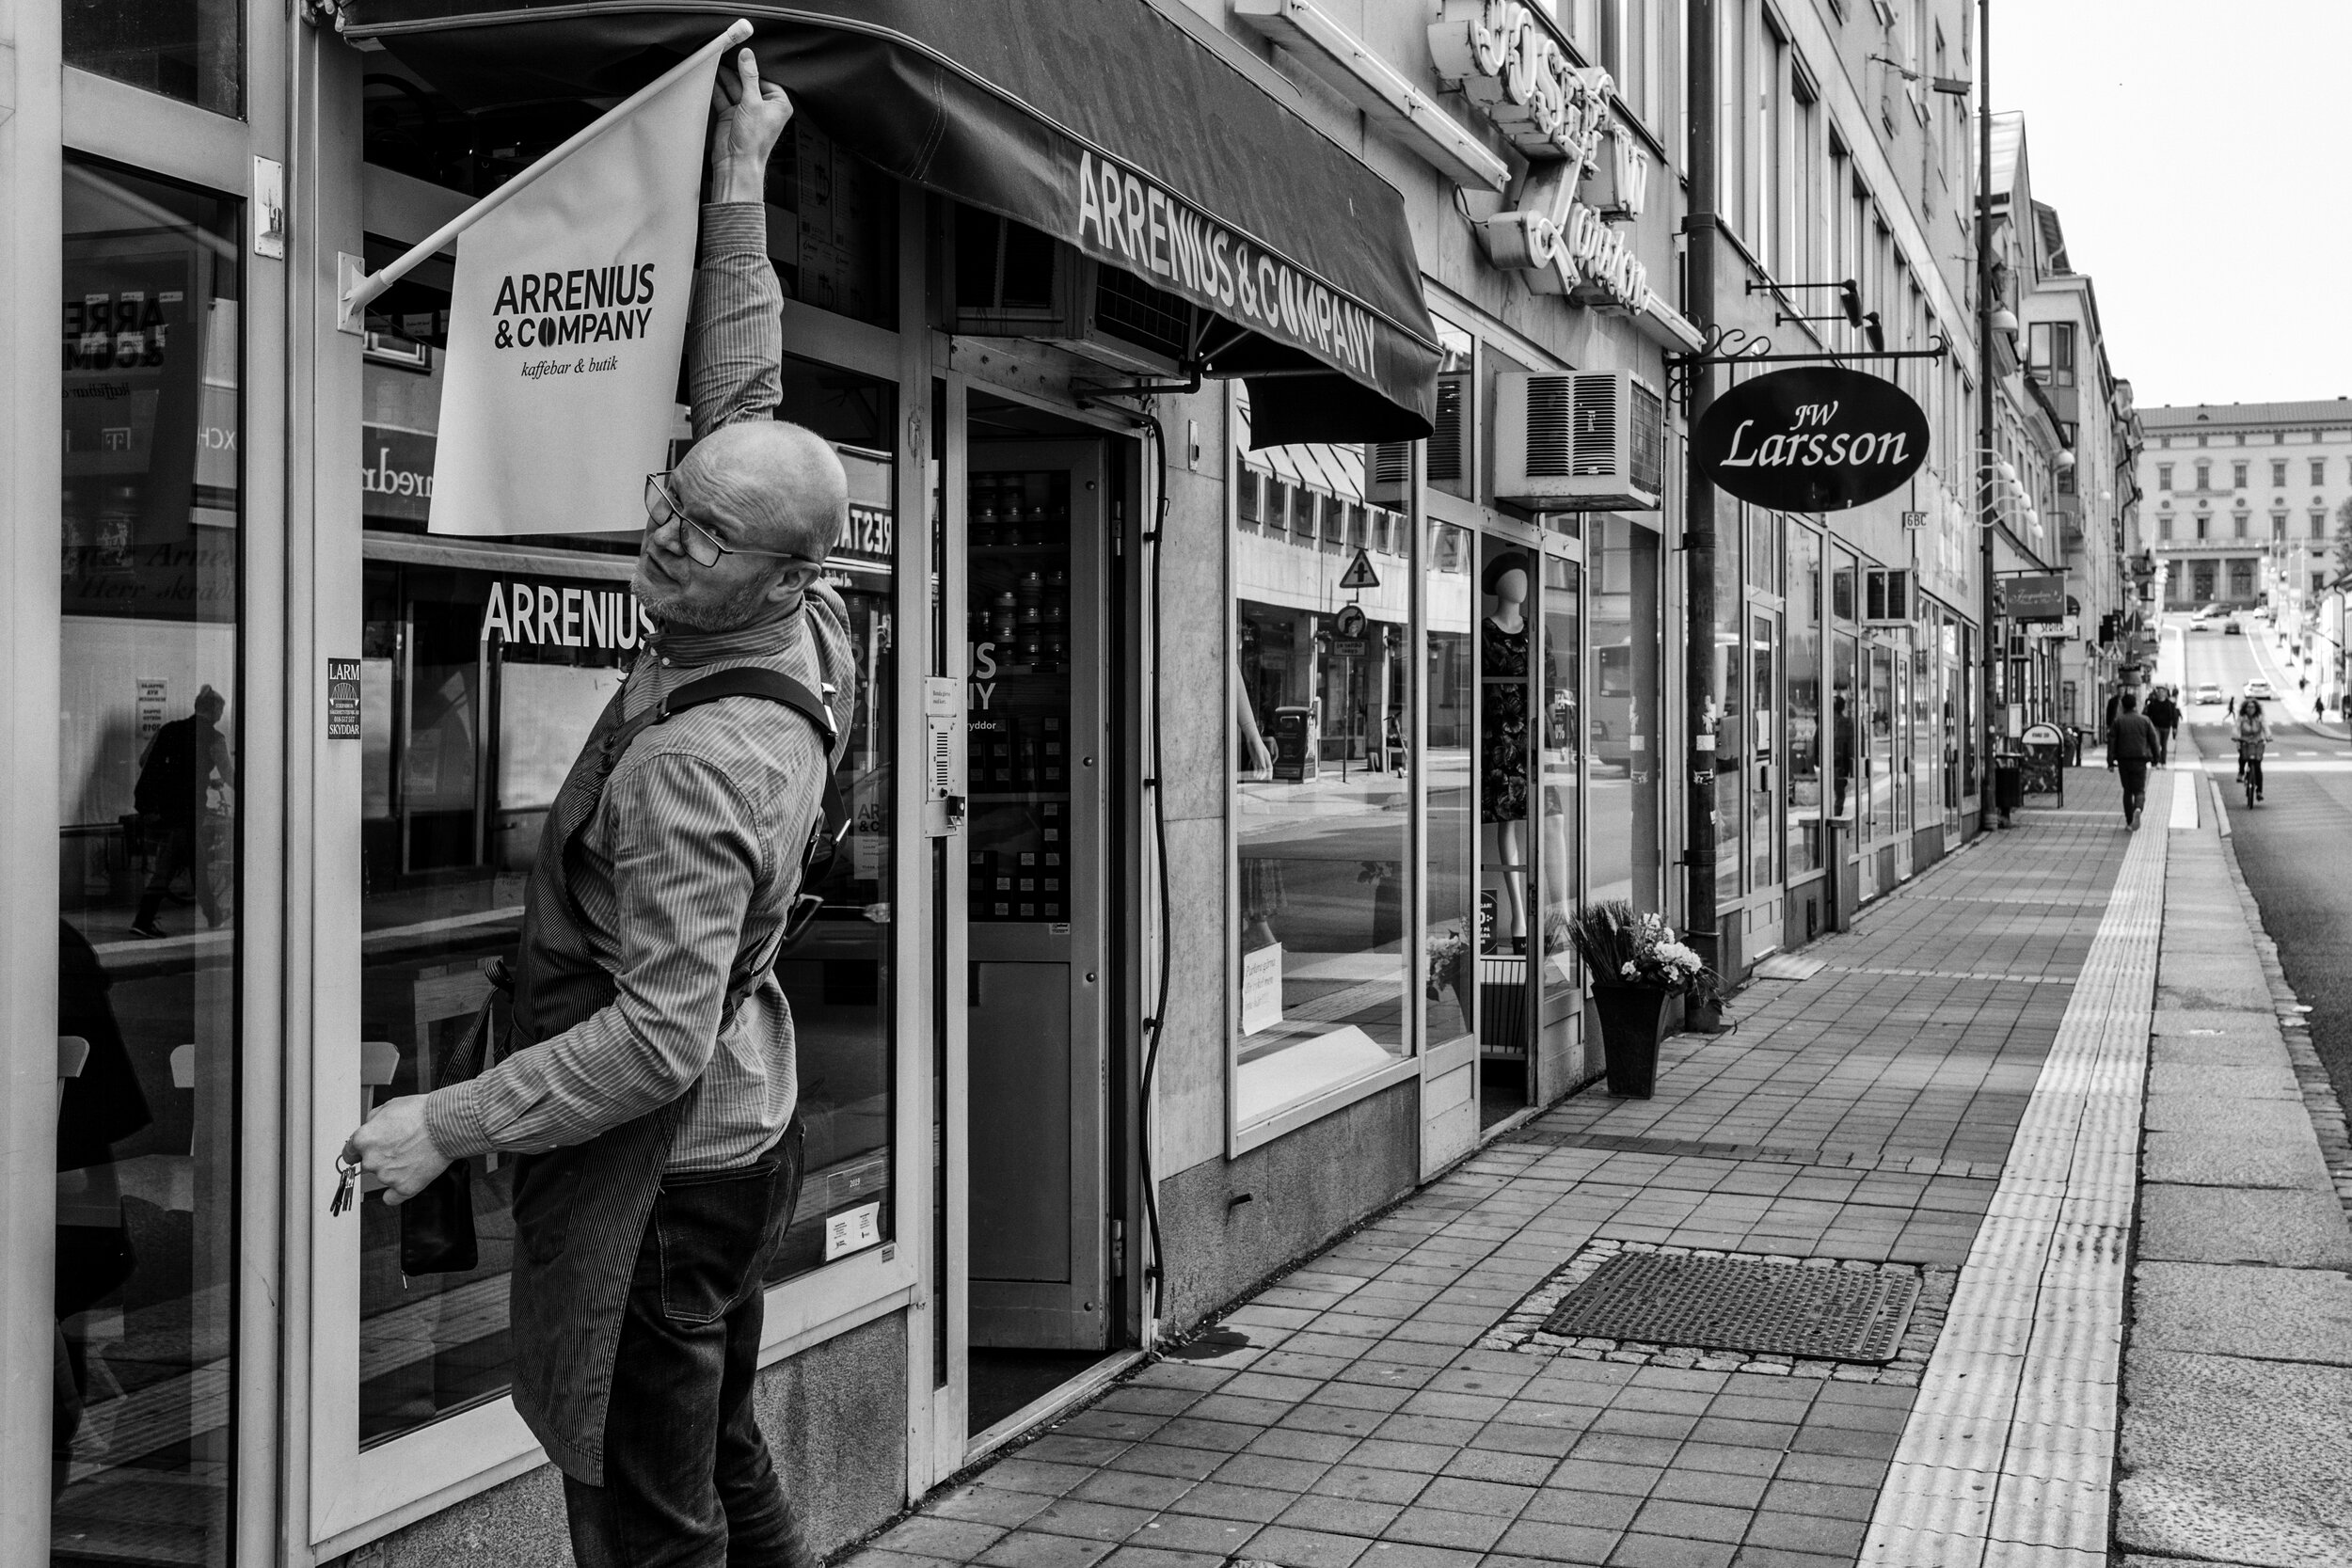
1510, 822
1766, 845
1449, 766
151, 715
1560, 742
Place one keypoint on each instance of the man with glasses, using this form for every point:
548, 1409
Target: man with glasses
650, 1085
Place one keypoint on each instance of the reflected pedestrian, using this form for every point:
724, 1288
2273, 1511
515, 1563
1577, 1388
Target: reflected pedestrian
2133, 743
175, 777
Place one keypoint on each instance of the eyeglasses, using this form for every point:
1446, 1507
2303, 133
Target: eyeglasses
703, 548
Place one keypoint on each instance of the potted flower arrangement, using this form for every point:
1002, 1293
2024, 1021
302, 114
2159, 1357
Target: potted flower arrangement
1638, 969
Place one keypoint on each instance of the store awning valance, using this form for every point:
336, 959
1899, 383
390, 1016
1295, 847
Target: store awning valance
1101, 122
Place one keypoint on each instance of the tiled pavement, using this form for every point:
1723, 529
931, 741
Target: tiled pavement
1858, 1115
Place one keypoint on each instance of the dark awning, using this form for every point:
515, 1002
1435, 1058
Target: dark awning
1098, 122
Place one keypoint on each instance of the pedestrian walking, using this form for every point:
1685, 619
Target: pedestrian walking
2164, 715
175, 781
650, 1087
2132, 745
2252, 733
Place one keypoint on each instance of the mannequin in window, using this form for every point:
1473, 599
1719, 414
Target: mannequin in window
1504, 642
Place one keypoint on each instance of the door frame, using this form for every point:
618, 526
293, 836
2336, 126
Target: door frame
940, 1441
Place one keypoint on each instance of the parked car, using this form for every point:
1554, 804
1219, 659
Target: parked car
2259, 689
2207, 693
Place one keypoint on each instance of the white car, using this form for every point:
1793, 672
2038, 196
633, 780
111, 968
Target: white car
2207, 693
2259, 689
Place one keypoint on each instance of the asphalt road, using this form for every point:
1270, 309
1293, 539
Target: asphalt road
2295, 847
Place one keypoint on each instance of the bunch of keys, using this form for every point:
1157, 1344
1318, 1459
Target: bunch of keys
347, 1178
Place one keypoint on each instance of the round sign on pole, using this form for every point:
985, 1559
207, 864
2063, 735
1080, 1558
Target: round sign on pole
1817, 438
1351, 621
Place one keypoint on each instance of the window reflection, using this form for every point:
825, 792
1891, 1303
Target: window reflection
148, 859
1624, 854
1451, 977
1322, 788
191, 50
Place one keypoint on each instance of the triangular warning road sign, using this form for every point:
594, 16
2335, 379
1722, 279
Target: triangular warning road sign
1360, 572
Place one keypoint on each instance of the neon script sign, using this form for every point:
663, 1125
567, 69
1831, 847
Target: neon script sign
1559, 227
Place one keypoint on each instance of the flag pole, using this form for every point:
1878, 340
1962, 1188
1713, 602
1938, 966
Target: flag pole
356, 286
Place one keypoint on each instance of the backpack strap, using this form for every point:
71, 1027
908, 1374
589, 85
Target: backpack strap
833, 818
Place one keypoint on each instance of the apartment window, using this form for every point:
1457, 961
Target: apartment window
2319, 471
2165, 441
2204, 475
2319, 525
2164, 528
1806, 225
2200, 440
2237, 475
1771, 228
2278, 474
2203, 525
2278, 525
2237, 525
2053, 353
2164, 476
2278, 438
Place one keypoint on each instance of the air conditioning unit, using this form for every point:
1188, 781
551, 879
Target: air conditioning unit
1578, 442
1012, 281
1388, 464
1887, 596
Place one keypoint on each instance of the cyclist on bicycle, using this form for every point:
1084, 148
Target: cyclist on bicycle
2133, 743
2252, 732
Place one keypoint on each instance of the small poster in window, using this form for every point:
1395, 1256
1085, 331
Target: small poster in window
1261, 989
853, 1231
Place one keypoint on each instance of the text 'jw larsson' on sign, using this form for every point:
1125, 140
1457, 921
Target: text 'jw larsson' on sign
1818, 439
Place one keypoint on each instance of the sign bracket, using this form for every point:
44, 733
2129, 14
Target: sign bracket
1734, 345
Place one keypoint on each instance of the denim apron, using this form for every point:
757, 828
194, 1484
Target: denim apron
579, 1212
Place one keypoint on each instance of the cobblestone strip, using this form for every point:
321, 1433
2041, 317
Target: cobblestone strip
2005, 1458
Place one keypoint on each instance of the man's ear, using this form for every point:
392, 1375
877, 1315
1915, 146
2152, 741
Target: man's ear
791, 582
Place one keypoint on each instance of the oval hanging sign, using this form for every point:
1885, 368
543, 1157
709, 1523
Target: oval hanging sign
1818, 439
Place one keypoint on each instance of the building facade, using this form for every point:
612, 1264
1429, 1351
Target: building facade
1243, 700
2246, 499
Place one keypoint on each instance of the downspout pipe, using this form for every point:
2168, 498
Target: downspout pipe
1989, 518
1698, 539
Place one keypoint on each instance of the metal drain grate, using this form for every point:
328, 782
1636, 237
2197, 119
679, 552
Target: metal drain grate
1727, 1304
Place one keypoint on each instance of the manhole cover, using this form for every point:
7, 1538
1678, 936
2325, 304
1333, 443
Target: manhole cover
1727, 1304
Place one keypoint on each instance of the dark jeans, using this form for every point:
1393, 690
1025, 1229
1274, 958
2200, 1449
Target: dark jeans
687, 1483
2135, 771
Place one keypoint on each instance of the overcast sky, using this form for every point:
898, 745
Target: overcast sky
2197, 156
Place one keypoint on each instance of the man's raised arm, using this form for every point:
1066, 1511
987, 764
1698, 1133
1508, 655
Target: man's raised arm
733, 336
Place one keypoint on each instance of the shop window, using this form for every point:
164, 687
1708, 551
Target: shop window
1805, 740
1450, 976
1846, 707
1878, 720
1450, 460
1321, 808
1841, 585
832, 216
484, 666
189, 50
1278, 505
151, 725
1623, 742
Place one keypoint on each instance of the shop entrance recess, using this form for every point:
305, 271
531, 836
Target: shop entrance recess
1038, 1129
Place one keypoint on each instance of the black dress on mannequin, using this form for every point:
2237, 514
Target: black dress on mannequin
1503, 660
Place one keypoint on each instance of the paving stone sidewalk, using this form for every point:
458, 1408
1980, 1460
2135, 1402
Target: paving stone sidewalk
1359, 1412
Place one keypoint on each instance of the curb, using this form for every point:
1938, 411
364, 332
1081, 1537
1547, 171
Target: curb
2320, 1100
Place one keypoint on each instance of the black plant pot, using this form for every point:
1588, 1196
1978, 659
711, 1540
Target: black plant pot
1632, 1022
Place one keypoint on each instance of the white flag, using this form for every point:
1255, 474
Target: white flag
567, 320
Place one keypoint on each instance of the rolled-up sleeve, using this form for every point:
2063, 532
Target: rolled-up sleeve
687, 854
734, 333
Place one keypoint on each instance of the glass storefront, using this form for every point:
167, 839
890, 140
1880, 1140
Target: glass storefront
150, 578
1624, 737
1805, 764
1321, 785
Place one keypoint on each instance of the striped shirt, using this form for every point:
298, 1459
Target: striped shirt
687, 869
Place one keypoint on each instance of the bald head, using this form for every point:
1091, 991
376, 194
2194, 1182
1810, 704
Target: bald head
779, 485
